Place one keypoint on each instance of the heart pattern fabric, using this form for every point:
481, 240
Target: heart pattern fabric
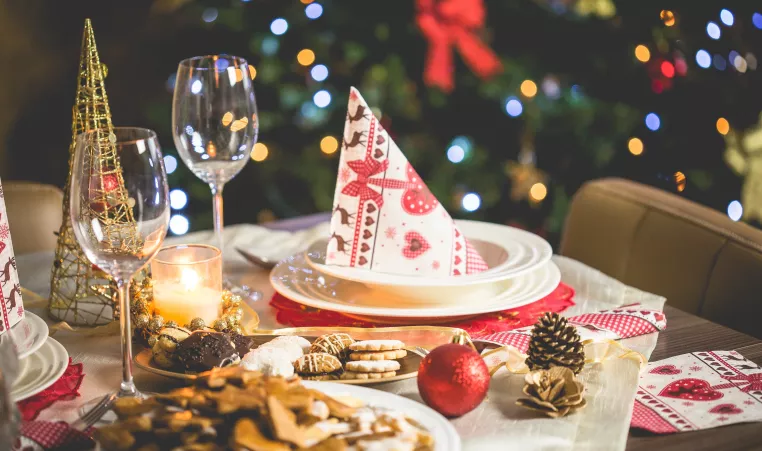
385, 217
700, 390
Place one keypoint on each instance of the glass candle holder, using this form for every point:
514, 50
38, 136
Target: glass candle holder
187, 283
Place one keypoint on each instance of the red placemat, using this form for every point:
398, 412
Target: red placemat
293, 314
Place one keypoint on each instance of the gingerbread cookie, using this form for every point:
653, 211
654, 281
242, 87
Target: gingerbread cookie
377, 345
317, 363
354, 375
372, 366
378, 355
334, 344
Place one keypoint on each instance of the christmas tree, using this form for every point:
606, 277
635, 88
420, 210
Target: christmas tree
504, 107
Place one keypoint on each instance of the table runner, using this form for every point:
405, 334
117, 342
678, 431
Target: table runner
496, 424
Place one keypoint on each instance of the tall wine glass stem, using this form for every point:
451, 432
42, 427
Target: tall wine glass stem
218, 217
127, 387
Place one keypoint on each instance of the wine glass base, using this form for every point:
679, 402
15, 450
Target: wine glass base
244, 291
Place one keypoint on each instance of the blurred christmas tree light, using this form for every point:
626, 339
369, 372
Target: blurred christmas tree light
713, 30
279, 26
322, 98
456, 154
723, 126
179, 225
259, 152
319, 72
513, 106
313, 10
668, 17
756, 19
642, 53
719, 62
170, 164
727, 17
196, 86
703, 59
528, 88
178, 199
329, 145
538, 192
305, 57
667, 69
680, 181
635, 146
270, 45
471, 202
653, 122
209, 15
735, 210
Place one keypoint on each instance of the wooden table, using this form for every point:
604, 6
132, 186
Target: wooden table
689, 333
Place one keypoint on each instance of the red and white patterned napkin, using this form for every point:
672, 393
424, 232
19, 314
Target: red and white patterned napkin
47, 436
614, 324
385, 218
11, 305
700, 390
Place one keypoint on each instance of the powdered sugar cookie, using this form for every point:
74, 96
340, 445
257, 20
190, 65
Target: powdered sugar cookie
372, 366
376, 345
353, 375
290, 347
269, 361
301, 341
378, 355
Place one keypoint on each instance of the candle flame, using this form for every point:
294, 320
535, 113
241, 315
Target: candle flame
189, 279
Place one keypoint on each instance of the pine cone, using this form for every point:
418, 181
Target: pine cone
554, 392
555, 343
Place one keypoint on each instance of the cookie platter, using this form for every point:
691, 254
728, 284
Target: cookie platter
335, 357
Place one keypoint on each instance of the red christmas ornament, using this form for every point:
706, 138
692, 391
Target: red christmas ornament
453, 379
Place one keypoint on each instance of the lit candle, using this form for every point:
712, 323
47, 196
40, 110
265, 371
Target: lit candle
187, 283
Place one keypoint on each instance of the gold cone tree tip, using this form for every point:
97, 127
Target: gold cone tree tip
81, 293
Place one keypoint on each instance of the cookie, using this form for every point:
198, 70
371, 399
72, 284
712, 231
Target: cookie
378, 355
321, 377
372, 366
317, 363
290, 348
377, 345
300, 341
268, 361
334, 344
354, 375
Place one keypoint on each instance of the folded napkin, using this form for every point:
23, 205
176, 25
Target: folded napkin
614, 324
48, 436
385, 218
64, 389
700, 390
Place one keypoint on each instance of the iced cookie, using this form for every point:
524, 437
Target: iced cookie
354, 375
334, 344
269, 361
372, 366
377, 345
317, 363
378, 355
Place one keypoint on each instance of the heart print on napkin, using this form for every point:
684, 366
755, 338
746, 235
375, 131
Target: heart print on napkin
385, 218
700, 390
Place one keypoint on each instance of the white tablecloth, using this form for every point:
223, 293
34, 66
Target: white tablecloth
496, 424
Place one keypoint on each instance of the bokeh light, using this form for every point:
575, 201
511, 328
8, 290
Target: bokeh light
305, 57
170, 164
756, 19
735, 210
713, 30
329, 145
227, 118
723, 126
667, 69
635, 146
319, 72
668, 17
551, 87
529, 88
680, 181
210, 15
513, 106
456, 154
259, 152
653, 122
252, 72
178, 199
727, 17
196, 86
179, 225
740, 63
538, 192
719, 62
471, 202
270, 45
322, 98
279, 26
642, 53
751, 61
703, 59
313, 10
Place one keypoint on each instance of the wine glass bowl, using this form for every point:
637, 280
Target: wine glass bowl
214, 116
120, 212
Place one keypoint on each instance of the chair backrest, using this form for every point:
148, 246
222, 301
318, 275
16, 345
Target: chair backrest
696, 257
34, 215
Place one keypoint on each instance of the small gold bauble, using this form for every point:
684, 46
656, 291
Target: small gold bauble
152, 340
140, 306
220, 325
237, 329
197, 323
141, 320
156, 323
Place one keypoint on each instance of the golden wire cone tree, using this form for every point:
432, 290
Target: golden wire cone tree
80, 293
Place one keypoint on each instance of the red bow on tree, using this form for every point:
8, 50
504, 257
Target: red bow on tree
448, 23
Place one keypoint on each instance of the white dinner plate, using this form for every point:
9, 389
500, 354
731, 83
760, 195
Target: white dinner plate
300, 282
508, 252
40, 370
445, 436
29, 334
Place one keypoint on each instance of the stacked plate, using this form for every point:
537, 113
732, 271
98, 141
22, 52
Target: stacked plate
42, 360
520, 272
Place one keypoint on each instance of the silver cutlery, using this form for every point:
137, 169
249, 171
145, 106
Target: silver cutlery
96, 413
262, 262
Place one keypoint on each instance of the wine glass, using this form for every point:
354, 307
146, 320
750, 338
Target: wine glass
120, 212
215, 124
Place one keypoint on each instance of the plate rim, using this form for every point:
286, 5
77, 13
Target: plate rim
192, 377
42, 325
452, 440
358, 275
57, 349
411, 313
